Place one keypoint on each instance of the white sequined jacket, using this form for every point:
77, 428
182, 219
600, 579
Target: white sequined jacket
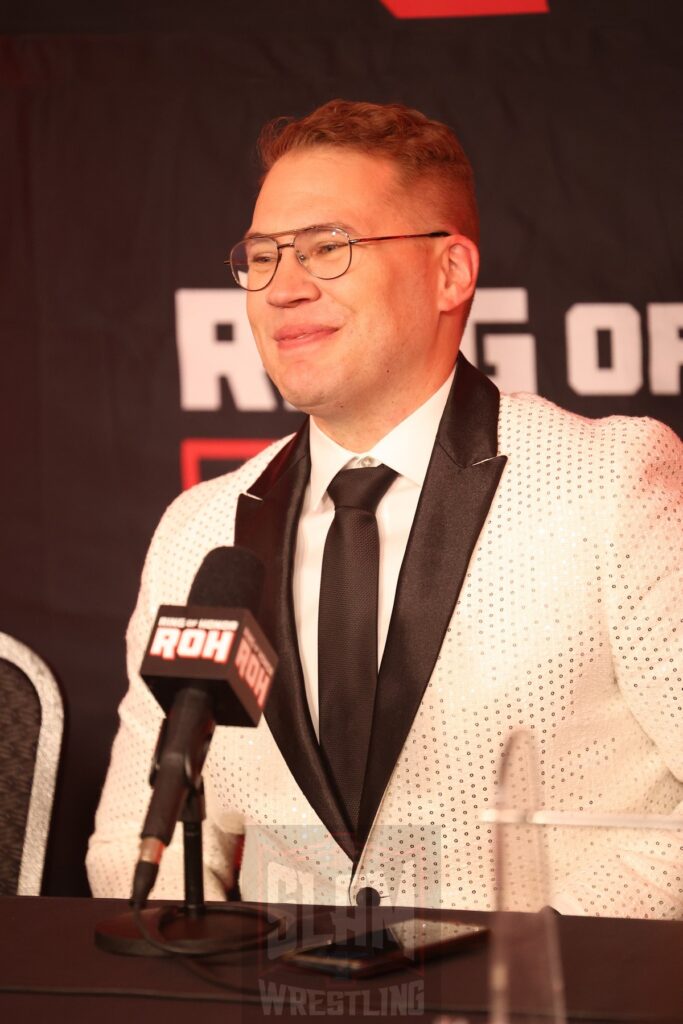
541, 588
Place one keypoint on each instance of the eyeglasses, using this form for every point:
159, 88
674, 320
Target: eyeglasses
323, 250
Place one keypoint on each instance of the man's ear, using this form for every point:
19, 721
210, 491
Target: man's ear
459, 269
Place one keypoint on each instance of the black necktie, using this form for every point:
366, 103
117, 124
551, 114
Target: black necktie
347, 629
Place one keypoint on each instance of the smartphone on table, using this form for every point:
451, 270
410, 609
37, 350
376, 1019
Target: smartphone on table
395, 946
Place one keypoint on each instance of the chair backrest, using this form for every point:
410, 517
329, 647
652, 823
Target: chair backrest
31, 728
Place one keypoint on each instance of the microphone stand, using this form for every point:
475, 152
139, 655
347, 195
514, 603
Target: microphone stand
194, 813
192, 929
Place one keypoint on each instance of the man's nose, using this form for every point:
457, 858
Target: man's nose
292, 283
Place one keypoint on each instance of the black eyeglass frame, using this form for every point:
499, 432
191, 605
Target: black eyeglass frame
301, 257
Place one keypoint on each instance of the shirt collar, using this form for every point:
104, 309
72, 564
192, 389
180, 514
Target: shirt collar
407, 448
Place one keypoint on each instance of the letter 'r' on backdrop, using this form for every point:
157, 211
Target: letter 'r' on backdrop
128, 170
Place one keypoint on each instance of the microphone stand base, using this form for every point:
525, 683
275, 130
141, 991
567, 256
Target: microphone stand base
214, 930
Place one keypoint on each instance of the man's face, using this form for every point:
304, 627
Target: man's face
364, 350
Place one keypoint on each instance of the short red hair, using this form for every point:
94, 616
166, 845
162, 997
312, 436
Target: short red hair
426, 153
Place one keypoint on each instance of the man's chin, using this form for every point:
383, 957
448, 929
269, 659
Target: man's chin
304, 396
311, 405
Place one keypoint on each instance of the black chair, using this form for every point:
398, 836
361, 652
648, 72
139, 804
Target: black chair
31, 728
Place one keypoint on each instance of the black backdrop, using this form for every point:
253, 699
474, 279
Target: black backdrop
127, 169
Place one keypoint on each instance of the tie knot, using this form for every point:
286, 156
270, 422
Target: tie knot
361, 488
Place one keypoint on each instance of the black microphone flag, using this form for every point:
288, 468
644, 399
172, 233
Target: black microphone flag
214, 643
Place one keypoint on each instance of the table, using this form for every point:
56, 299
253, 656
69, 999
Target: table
624, 971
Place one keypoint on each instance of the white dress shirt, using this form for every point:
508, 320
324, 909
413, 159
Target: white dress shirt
407, 450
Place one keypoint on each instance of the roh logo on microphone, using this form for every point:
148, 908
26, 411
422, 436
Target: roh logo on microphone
198, 644
253, 666
178, 637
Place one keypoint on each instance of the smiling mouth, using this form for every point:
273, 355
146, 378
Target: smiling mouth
290, 337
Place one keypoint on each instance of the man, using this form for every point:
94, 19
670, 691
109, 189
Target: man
526, 573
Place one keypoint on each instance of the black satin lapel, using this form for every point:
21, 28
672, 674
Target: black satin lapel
461, 481
468, 431
266, 523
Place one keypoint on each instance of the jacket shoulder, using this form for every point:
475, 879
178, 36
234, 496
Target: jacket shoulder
531, 416
198, 520
221, 491
621, 459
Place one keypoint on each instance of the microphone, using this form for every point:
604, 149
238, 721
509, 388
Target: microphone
207, 663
